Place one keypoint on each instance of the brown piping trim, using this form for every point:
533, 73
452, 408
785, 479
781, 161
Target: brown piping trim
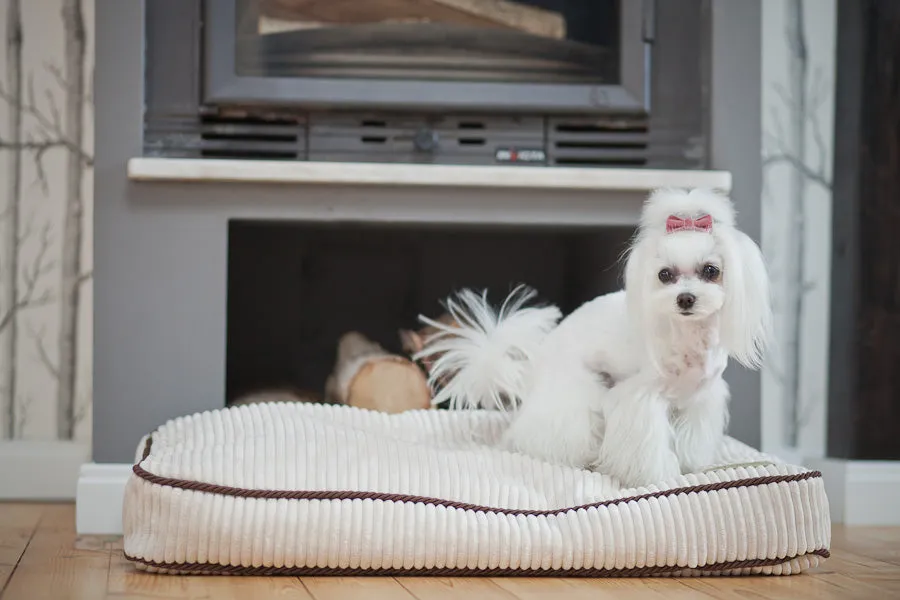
224, 490
211, 568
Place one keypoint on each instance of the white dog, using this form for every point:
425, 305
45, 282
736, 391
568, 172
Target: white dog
631, 382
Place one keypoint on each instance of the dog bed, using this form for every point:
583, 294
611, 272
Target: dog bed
304, 489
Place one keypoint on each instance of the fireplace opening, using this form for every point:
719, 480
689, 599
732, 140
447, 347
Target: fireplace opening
294, 288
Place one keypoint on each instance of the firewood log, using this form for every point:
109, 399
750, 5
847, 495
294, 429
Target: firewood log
368, 376
285, 15
528, 19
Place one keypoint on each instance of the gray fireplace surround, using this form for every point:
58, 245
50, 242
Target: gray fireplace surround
160, 228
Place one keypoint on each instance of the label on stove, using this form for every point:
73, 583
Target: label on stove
520, 155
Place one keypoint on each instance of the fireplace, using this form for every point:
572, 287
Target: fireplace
294, 288
492, 124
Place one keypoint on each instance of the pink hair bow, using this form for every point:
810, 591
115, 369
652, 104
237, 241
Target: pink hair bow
701, 223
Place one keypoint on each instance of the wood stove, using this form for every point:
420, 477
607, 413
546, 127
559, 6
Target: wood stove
591, 83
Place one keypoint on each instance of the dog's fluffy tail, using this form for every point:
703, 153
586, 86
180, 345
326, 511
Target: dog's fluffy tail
482, 361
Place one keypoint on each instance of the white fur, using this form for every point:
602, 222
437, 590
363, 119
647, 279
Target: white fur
489, 354
665, 411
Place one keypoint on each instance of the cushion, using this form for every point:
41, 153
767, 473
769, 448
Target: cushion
307, 489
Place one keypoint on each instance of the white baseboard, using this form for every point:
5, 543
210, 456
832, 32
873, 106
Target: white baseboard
861, 492
40, 470
98, 506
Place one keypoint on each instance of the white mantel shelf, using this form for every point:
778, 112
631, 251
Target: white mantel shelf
147, 169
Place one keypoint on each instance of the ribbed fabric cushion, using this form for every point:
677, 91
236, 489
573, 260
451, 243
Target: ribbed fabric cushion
318, 489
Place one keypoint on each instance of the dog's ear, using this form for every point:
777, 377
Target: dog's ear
635, 277
747, 312
639, 279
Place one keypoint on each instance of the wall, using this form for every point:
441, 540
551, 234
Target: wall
46, 147
798, 66
734, 146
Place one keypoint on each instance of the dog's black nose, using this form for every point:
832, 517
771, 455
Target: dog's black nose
685, 301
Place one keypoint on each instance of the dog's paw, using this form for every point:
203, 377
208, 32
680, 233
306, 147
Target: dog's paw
696, 461
639, 470
665, 468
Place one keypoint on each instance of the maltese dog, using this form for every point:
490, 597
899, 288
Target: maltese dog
631, 382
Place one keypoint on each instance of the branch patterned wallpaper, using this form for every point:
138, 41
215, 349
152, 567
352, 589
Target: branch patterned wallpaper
46, 201
798, 90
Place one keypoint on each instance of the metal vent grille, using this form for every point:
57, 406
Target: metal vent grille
608, 142
246, 138
420, 138
406, 138
228, 137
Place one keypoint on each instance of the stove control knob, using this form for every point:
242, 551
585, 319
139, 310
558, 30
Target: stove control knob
426, 140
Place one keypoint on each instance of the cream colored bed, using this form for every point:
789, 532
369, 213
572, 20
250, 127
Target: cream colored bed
302, 489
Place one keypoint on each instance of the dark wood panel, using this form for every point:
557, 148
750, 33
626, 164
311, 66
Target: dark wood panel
878, 418
864, 413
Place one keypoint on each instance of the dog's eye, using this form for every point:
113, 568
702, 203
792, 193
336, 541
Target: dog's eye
666, 275
710, 272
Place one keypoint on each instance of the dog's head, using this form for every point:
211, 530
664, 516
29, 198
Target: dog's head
688, 262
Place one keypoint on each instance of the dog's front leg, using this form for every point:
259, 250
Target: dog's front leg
699, 425
637, 439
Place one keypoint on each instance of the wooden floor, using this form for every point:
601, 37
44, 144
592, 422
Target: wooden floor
41, 557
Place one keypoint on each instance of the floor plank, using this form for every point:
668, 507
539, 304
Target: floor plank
527, 588
647, 587
865, 571
350, 588
52, 567
41, 557
340, 588
6, 572
18, 523
446, 588
875, 542
769, 588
